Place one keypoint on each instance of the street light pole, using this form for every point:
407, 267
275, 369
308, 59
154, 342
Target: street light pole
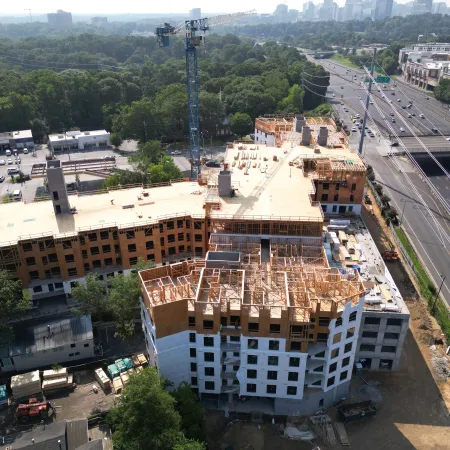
438, 292
403, 212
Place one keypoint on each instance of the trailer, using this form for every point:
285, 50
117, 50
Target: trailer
357, 411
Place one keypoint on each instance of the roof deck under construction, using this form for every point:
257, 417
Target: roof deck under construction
292, 287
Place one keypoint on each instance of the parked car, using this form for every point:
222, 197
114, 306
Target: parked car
10, 161
175, 152
402, 130
2, 179
2, 162
25, 151
109, 158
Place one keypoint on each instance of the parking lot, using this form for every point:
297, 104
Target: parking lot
35, 186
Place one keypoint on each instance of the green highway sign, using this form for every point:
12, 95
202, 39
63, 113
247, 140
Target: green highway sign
381, 79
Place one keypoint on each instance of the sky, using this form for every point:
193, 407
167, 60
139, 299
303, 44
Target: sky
146, 7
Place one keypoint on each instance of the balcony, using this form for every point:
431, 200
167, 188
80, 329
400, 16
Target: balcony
230, 389
228, 375
230, 331
230, 347
235, 360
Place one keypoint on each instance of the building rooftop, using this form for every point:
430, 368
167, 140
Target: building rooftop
295, 277
22, 134
76, 134
49, 335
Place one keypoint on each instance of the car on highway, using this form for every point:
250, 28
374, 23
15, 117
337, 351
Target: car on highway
409, 115
2, 179
448, 139
355, 129
413, 114
394, 144
10, 161
434, 130
398, 100
2, 162
342, 87
421, 116
427, 98
177, 152
393, 120
403, 107
392, 114
371, 102
392, 93
333, 95
390, 101
402, 130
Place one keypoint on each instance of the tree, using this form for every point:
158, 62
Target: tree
92, 298
123, 297
145, 416
13, 300
442, 90
241, 124
116, 139
293, 103
191, 411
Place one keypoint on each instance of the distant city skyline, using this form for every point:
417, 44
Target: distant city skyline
104, 7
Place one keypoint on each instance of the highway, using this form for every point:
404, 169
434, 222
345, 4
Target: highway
423, 216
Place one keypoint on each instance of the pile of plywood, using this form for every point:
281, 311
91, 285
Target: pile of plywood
26, 384
139, 360
56, 379
102, 379
117, 385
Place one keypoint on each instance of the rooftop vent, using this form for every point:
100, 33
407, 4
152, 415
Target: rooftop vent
128, 206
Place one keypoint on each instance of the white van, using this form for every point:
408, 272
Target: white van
25, 151
17, 195
8, 152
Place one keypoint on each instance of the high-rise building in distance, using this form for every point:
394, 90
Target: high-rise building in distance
60, 18
195, 13
383, 9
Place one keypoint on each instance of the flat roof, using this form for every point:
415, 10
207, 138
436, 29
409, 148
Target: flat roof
22, 134
273, 189
76, 134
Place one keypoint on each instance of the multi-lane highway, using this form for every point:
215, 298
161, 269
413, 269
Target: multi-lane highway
424, 217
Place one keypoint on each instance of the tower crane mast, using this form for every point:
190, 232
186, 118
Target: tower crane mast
194, 31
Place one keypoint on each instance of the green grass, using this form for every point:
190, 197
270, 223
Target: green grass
427, 288
344, 61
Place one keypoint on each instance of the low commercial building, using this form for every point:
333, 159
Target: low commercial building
16, 140
78, 140
424, 65
44, 343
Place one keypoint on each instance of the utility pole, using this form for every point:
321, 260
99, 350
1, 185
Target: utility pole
433, 308
363, 130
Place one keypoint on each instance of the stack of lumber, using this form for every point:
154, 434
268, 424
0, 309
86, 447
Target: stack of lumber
125, 378
142, 359
139, 369
57, 379
26, 384
117, 385
102, 379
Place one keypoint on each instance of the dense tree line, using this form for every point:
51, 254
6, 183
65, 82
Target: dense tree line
131, 86
355, 33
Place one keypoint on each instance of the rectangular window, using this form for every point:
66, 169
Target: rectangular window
133, 261
275, 328
324, 321
27, 247
92, 237
272, 375
343, 375
69, 258
198, 238
235, 339
333, 367
334, 209
330, 381
171, 238
253, 327
181, 248
252, 343
30, 261
271, 389
55, 195
72, 272
252, 359
350, 332
170, 225
336, 198
251, 388
181, 236
324, 198
353, 186
191, 337
131, 248
104, 235
208, 324
172, 250
291, 390
369, 334
94, 251
251, 373
130, 234
388, 349
149, 245
192, 352
391, 335
348, 347
396, 322
272, 360
191, 321
338, 185
345, 362
352, 316
97, 263
52, 257
209, 371
294, 362
209, 385
274, 345
293, 376
44, 260
209, 357
106, 248
371, 321
179, 223
326, 186
194, 381
108, 262
366, 348
193, 367
208, 341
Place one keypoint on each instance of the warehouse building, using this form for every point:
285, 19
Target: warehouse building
16, 140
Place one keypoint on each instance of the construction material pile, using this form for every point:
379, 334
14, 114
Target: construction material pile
57, 379
440, 366
26, 384
102, 379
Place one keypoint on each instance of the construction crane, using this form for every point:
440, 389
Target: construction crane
194, 31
